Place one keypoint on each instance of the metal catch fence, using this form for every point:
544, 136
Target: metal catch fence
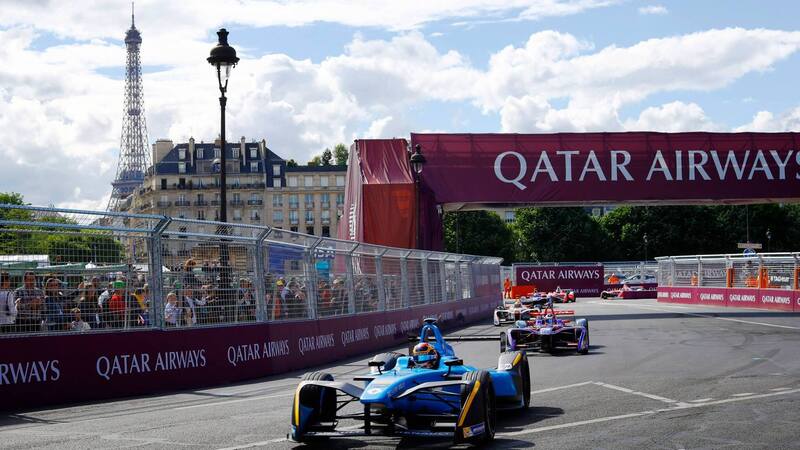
768, 270
65, 270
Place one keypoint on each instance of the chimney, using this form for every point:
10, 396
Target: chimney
191, 150
160, 149
242, 153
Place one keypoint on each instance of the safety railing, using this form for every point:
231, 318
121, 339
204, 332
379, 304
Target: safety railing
765, 271
64, 270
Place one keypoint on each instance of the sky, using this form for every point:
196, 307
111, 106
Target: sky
314, 73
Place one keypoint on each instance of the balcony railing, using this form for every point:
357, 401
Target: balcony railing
294, 221
237, 219
277, 205
255, 202
162, 204
277, 220
326, 205
293, 205
326, 221
255, 219
214, 202
182, 203
310, 205
201, 203
237, 202
309, 221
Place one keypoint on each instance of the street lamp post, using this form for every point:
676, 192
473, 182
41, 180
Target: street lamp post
417, 162
223, 58
644, 238
769, 240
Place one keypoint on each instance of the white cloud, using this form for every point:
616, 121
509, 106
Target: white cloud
653, 10
673, 117
766, 121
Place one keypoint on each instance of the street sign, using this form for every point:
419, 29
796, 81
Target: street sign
749, 252
749, 245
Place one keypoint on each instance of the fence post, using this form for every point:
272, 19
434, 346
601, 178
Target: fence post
699, 271
156, 274
379, 282
258, 278
459, 292
350, 282
311, 279
404, 291
443, 278
672, 271
426, 290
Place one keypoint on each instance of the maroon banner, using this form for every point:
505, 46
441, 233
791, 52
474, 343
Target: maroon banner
46, 370
774, 299
581, 168
584, 280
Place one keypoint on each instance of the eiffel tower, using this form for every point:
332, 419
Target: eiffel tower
134, 157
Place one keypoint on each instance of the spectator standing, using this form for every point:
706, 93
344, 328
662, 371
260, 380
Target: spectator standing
246, 301
77, 322
172, 312
8, 311
192, 306
54, 306
117, 305
29, 301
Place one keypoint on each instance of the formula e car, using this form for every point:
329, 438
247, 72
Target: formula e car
519, 309
563, 295
398, 398
549, 330
619, 292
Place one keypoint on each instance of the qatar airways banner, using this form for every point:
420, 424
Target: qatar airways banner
580, 168
47, 370
774, 299
583, 280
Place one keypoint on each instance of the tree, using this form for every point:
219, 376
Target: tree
291, 163
558, 234
478, 233
315, 161
327, 156
341, 154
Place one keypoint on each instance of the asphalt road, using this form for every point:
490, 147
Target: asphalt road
657, 376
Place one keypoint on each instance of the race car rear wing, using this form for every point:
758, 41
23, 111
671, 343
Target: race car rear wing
556, 312
467, 338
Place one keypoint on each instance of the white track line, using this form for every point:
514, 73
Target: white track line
773, 325
780, 389
644, 413
701, 400
641, 394
743, 394
558, 388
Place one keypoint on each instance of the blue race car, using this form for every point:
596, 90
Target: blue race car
409, 396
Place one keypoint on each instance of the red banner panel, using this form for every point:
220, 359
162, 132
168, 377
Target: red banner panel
583, 280
774, 299
47, 370
677, 295
581, 168
712, 296
778, 299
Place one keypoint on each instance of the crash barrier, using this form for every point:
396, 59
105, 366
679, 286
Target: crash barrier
768, 281
89, 279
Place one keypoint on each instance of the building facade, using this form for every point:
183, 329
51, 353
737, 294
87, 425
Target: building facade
262, 189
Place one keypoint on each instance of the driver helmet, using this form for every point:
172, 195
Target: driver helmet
425, 356
521, 324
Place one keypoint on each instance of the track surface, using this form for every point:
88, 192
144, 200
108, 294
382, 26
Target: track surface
657, 376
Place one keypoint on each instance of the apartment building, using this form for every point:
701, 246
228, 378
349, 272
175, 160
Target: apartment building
262, 189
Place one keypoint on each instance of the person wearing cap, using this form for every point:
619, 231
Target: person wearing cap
116, 305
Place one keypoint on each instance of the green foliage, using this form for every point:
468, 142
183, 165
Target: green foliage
340, 153
315, 161
558, 234
478, 233
327, 156
291, 163
60, 244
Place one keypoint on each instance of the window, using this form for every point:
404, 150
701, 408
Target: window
254, 166
309, 181
237, 198
163, 183
326, 200
293, 201
293, 217
216, 153
235, 152
340, 180
292, 182
182, 167
181, 153
277, 200
326, 215
294, 229
309, 200
199, 198
236, 182
276, 170
255, 197
254, 152
340, 198
277, 216
254, 214
181, 182
237, 214
201, 214
276, 182
309, 230
510, 215
309, 216
200, 153
323, 181
182, 198
326, 231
